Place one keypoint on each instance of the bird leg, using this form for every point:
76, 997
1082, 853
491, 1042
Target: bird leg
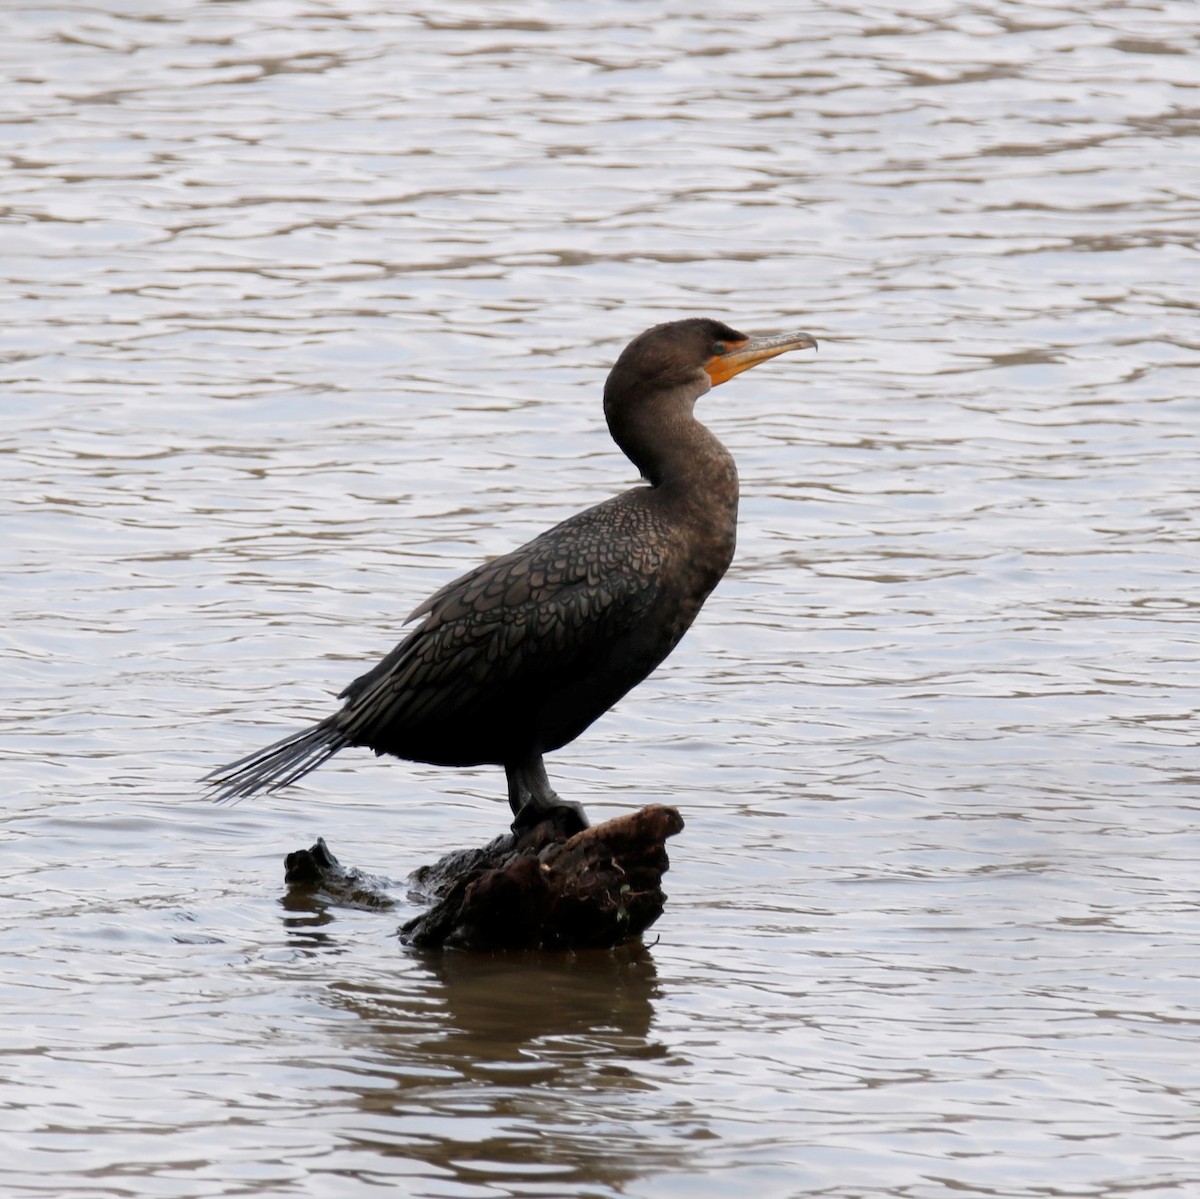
533, 800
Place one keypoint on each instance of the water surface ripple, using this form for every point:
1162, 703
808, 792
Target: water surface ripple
308, 307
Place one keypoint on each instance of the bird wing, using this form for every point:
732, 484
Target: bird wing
548, 610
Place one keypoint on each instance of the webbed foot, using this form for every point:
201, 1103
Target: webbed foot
533, 800
568, 818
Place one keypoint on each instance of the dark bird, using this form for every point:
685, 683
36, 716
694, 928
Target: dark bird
518, 656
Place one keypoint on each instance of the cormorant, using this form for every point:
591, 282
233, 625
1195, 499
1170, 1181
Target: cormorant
518, 656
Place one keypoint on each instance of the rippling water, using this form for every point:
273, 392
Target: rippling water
308, 306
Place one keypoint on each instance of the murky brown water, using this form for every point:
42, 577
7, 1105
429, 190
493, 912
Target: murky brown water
308, 306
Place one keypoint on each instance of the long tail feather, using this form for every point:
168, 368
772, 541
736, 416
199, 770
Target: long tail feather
279, 764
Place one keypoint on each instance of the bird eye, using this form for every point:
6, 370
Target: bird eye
719, 347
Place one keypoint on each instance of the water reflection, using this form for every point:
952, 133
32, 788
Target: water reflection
508, 1067
507, 1001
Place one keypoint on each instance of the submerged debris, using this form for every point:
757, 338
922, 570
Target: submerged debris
543, 888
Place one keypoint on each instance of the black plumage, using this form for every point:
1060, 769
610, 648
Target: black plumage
520, 655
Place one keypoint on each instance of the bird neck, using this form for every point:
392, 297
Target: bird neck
689, 471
